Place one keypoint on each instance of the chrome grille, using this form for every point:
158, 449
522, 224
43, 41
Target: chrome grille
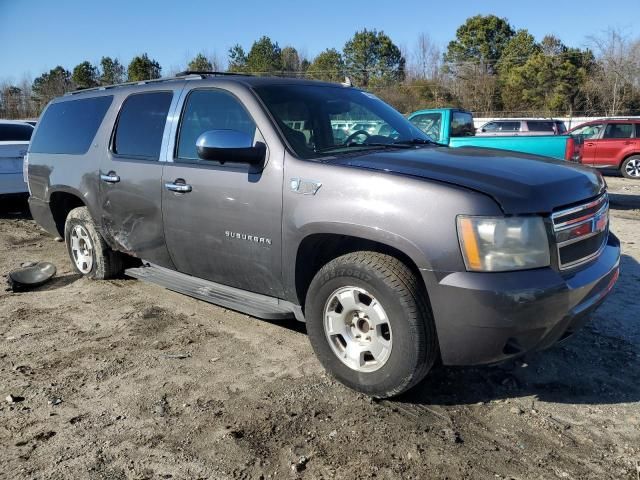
581, 232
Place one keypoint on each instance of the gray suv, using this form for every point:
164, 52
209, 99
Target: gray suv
396, 251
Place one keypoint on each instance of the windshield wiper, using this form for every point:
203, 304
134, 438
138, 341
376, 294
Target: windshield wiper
360, 145
418, 141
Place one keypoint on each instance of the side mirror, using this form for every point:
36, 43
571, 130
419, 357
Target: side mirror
483, 130
229, 146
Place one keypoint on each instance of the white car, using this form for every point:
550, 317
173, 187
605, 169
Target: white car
14, 141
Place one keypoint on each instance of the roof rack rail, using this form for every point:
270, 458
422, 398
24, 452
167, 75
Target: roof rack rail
204, 73
178, 76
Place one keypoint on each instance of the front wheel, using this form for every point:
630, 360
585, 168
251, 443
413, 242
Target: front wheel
89, 253
630, 168
370, 325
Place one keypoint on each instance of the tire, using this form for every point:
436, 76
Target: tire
630, 167
89, 253
408, 338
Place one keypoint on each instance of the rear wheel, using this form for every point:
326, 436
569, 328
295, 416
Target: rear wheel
630, 168
370, 325
89, 253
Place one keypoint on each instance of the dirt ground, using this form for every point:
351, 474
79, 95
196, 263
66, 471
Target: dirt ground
122, 379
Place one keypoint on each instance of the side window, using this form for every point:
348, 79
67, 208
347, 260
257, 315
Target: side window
429, 123
15, 132
141, 125
542, 126
462, 124
588, 131
490, 127
509, 126
618, 130
210, 110
69, 126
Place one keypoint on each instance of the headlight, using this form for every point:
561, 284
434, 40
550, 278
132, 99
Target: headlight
498, 244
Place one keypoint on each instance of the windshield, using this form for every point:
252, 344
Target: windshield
318, 120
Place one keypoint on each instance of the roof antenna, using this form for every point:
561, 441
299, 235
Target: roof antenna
347, 82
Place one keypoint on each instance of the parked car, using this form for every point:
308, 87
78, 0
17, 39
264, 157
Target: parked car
611, 144
455, 127
14, 140
396, 251
522, 126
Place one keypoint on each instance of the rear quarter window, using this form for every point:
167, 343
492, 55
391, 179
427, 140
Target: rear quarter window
70, 126
542, 126
14, 132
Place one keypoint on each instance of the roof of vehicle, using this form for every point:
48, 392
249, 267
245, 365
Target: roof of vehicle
211, 77
524, 120
430, 110
608, 120
18, 122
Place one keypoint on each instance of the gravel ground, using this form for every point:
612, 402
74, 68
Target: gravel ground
122, 379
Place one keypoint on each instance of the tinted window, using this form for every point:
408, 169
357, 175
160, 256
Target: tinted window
462, 125
69, 127
542, 126
141, 125
15, 132
211, 110
618, 130
509, 126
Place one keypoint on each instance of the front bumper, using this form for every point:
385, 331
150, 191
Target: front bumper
489, 317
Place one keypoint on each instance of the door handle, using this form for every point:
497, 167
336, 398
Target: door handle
110, 177
590, 144
178, 186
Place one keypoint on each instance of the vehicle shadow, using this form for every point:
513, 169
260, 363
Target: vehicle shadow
600, 364
14, 207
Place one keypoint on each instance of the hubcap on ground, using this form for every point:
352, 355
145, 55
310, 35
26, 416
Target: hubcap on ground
358, 329
81, 249
633, 168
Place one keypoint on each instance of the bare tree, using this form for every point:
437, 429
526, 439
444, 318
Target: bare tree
616, 80
426, 58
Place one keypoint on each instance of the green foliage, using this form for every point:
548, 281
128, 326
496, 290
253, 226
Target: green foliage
52, 84
371, 57
85, 75
328, 66
290, 59
143, 68
517, 51
112, 71
264, 57
237, 59
480, 39
549, 81
200, 64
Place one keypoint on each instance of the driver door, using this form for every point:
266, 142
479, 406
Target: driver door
225, 225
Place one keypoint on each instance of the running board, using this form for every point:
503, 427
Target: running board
253, 304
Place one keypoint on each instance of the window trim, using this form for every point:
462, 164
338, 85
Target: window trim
211, 163
112, 139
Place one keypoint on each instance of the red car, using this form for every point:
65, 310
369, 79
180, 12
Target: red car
611, 143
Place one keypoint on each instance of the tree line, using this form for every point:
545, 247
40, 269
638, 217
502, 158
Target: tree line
489, 68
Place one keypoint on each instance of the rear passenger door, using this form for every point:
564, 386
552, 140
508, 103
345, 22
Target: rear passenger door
611, 148
131, 176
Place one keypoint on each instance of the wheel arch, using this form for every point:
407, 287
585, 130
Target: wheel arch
320, 246
61, 202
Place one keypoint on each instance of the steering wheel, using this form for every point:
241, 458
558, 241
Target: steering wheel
355, 134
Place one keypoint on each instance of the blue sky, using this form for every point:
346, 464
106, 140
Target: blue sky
37, 35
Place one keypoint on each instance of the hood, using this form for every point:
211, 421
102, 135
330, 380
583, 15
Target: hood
520, 183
